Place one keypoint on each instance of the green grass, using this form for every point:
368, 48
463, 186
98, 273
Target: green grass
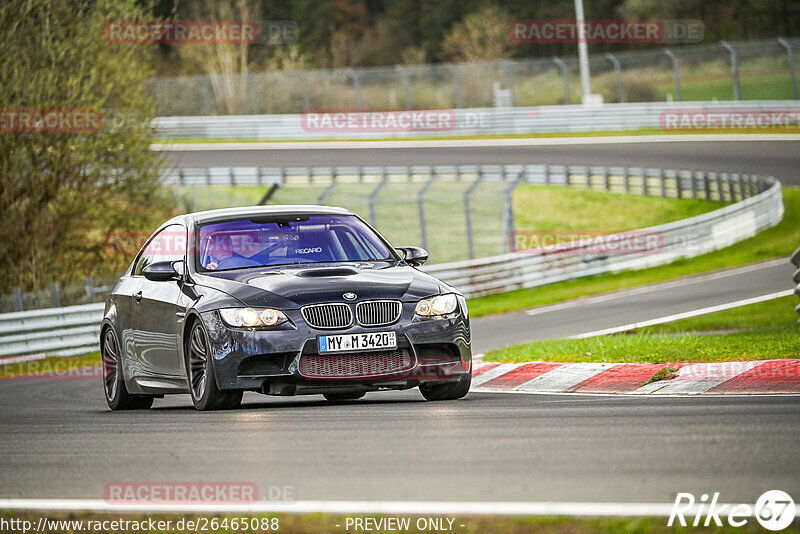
762, 331
776, 242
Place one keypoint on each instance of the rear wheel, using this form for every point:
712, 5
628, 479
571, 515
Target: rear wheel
333, 397
117, 395
203, 384
449, 391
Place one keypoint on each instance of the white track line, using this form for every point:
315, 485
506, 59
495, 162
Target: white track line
656, 287
466, 143
684, 315
360, 507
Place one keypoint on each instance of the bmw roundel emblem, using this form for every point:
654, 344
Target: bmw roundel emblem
350, 296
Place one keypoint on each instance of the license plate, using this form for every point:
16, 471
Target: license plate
348, 342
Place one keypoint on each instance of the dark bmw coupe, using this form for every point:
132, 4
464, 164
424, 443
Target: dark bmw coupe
285, 300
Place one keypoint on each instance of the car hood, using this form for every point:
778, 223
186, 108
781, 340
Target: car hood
295, 286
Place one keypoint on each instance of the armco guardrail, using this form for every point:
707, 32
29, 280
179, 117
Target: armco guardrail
494, 121
75, 329
796, 277
66, 331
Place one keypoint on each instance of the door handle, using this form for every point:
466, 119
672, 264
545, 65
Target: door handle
137, 296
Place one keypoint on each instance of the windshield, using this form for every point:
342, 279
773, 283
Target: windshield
286, 240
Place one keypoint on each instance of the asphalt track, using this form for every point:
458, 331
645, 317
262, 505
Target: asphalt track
780, 159
59, 440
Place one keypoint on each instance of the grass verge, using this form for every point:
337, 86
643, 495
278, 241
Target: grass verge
762, 331
779, 241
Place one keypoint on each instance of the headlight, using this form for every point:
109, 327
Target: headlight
440, 305
251, 317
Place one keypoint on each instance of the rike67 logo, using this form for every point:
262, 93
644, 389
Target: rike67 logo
774, 510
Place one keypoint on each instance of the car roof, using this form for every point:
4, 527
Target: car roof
233, 213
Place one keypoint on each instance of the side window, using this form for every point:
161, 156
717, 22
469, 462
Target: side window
147, 255
168, 245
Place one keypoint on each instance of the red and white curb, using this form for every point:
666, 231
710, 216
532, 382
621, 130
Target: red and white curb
741, 378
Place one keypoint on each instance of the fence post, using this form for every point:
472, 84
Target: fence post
694, 184
706, 185
509, 79
678, 183
403, 73
737, 92
790, 53
89, 290
626, 177
356, 87
207, 95
329, 190
546, 172
421, 206
740, 182
508, 215
304, 86
618, 73
373, 198
564, 76
588, 177
456, 85
468, 213
731, 188
676, 75
17, 299
54, 297
643, 173
607, 178
718, 180
253, 95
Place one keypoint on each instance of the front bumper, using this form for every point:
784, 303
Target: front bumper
270, 361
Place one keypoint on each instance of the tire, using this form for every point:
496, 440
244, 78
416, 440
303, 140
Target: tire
203, 388
116, 393
334, 397
450, 391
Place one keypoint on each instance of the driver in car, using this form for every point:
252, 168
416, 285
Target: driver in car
223, 256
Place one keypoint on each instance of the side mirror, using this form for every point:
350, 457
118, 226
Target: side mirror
415, 256
161, 271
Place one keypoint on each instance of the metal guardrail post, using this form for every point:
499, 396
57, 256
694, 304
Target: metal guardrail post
737, 92
17, 299
356, 87
643, 173
373, 197
618, 73
564, 76
300, 75
546, 173
421, 207
663, 180
626, 178
403, 73
588, 177
54, 297
718, 181
731, 189
783, 42
508, 215
508, 67
607, 178
740, 183
795, 259
468, 213
456, 85
329, 190
89, 290
678, 185
676, 75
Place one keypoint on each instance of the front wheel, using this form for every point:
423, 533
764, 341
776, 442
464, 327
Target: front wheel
449, 391
117, 395
205, 393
